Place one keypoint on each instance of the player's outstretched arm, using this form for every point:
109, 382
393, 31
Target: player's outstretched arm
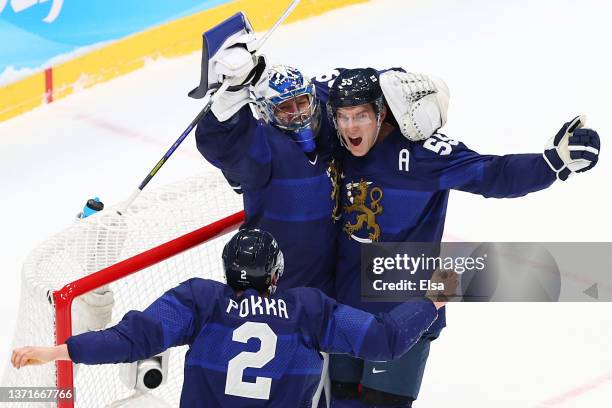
32, 355
343, 329
167, 322
444, 163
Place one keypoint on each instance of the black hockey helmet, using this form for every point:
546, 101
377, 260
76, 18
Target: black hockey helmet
252, 259
355, 87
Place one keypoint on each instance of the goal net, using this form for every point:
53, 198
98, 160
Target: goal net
179, 230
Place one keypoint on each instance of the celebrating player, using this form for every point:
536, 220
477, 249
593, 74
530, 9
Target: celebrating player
284, 170
249, 344
396, 182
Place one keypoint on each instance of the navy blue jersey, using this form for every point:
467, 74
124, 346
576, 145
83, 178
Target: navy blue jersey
252, 351
285, 192
398, 192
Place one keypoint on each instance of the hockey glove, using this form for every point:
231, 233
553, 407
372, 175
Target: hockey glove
235, 62
230, 102
418, 102
573, 149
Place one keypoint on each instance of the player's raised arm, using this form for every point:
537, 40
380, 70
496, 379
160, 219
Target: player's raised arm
227, 136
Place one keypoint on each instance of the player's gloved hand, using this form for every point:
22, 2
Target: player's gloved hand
235, 62
418, 102
229, 103
236, 97
573, 149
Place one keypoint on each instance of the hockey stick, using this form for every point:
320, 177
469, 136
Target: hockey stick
211, 99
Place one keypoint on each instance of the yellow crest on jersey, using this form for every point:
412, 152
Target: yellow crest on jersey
358, 194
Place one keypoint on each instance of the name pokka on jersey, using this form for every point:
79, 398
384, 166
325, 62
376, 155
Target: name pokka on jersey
258, 306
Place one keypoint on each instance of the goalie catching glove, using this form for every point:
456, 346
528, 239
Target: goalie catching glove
418, 102
236, 64
228, 54
573, 149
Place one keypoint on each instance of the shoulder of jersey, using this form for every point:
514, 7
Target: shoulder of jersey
438, 145
304, 295
208, 285
324, 81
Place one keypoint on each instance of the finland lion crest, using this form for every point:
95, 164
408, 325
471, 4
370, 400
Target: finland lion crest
358, 194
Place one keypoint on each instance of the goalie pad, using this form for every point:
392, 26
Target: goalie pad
93, 310
418, 102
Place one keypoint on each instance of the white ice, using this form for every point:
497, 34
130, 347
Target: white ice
516, 70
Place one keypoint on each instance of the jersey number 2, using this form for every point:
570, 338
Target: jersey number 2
260, 389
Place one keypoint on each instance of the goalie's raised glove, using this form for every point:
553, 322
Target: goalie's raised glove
235, 61
573, 149
241, 68
418, 102
228, 54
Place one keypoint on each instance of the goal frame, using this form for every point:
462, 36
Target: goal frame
63, 298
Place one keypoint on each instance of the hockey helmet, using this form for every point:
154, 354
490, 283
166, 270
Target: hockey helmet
355, 87
252, 259
285, 84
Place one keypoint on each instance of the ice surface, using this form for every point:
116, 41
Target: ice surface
516, 71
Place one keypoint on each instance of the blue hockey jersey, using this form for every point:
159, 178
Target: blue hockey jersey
252, 351
398, 192
285, 192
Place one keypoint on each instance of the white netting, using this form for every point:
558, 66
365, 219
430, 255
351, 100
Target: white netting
101, 240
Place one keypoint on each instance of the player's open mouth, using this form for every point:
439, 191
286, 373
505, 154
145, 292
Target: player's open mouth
355, 141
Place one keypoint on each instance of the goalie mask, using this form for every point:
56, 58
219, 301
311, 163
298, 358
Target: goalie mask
252, 259
354, 88
288, 102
